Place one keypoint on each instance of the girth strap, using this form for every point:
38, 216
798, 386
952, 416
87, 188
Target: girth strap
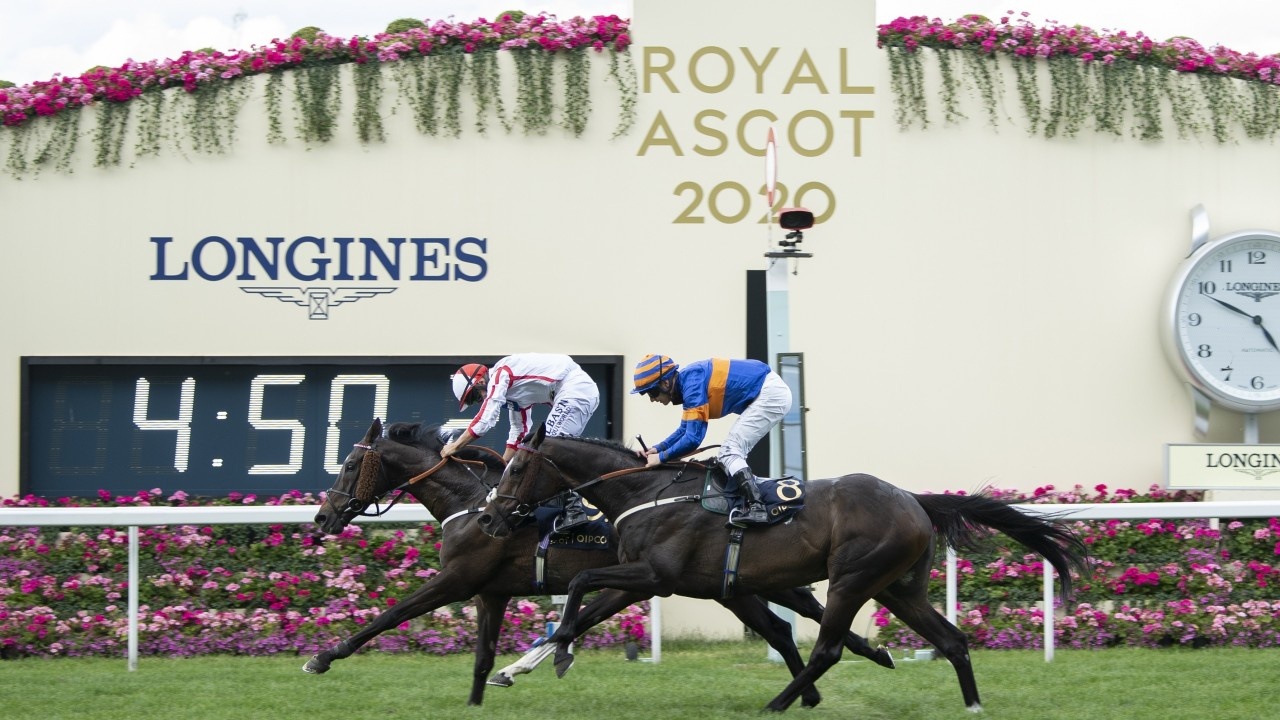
653, 504
540, 563
732, 555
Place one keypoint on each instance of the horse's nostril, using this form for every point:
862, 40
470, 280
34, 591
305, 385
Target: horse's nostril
320, 518
485, 520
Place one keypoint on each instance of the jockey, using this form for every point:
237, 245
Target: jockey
709, 389
519, 382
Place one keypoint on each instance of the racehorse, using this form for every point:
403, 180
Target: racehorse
870, 539
408, 459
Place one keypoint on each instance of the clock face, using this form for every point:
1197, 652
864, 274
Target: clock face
1226, 320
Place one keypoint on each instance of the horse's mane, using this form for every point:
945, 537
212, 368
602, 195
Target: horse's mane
430, 438
613, 445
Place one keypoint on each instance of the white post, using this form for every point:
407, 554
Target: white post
1048, 612
778, 317
655, 629
951, 585
133, 598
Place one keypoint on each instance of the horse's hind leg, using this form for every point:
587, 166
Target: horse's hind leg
490, 610
605, 605
756, 615
802, 601
911, 606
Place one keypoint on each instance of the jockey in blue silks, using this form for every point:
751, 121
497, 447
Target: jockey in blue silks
710, 389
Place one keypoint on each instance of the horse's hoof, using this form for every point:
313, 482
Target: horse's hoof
810, 702
501, 680
563, 664
883, 658
314, 667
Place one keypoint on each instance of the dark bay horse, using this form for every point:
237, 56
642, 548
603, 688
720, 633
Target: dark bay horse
871, 540
474, 565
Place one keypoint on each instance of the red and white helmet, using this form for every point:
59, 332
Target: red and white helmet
467, 384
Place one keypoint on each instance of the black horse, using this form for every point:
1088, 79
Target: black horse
869, 538
473, 565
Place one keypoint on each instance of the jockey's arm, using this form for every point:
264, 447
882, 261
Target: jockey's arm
458, 443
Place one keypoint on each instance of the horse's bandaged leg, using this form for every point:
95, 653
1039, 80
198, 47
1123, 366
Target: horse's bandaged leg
524, 665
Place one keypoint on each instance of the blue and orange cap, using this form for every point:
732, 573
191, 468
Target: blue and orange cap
652, 370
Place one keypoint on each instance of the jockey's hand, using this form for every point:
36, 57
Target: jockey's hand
449, 449
653, 459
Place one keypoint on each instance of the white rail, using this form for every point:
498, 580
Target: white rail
133, 517
1117, 511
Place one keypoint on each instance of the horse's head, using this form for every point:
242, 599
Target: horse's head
403, 460
359, 484
529, 479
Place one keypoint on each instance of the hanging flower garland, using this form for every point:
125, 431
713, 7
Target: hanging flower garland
1111, 80
458, 53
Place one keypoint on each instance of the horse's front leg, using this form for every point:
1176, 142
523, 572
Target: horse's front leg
604, 606
634, 577
440, 590
490, 611
753, 613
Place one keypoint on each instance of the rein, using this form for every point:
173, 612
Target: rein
363, 498
523, 509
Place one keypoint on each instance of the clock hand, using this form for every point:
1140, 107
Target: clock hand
1231, 307
1257, 320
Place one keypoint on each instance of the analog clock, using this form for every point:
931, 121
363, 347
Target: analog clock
1221, 321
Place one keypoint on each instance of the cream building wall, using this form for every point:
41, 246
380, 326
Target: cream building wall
981, 309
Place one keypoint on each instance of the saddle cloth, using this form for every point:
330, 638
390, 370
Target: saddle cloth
595, 534
783, 497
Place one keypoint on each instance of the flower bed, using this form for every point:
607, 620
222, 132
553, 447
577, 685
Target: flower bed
1156, 583
239, 589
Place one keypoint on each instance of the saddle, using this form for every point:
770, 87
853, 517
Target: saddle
783, 497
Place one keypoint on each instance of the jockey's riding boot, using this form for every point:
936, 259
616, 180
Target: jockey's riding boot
573, 514
754, 513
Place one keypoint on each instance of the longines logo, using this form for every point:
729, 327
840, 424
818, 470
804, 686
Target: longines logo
1255, 290
252, 263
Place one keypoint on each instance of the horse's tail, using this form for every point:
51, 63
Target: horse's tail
960, 520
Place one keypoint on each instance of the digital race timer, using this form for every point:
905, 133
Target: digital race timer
211, 426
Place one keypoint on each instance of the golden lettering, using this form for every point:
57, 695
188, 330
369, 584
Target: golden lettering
696, 61
700, 124
659, 135
845, 87
828, 133
758, 67
742, 131
806, 73
857, 116
651, 67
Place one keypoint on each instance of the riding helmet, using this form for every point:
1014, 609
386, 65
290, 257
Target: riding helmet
652, 370
465, 383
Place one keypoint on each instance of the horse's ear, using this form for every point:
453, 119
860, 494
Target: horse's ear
374, 432
540, 434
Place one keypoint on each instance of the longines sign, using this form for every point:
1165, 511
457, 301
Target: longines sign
1222, 467
363, 265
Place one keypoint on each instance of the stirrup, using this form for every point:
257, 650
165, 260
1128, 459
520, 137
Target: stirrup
567, 522
753, 514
